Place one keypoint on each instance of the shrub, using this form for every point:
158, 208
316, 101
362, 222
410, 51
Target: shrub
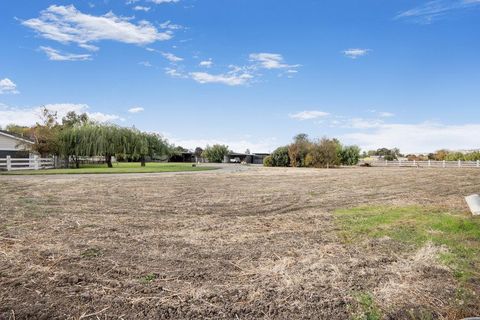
350, 155
268, 162
324, 154
298, 150
215, 153
280, 157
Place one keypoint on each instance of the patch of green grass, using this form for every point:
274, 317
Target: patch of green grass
149, 277
91, 253
368, 308
414, 226
119, 167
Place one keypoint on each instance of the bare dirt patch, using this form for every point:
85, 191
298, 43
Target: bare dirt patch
257, 243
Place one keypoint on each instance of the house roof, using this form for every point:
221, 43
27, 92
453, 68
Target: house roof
15, 136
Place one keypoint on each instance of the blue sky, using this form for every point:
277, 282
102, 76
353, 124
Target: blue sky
250, 74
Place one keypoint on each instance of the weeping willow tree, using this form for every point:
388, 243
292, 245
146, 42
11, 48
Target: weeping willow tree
110, 140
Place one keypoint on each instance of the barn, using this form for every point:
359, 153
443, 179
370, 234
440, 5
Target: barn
13, 145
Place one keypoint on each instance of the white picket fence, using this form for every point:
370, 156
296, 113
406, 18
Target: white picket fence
35, 163
424, 164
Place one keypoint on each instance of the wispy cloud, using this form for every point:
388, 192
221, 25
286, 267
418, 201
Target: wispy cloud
235, 75
164, 1
270, 61
136, 110
432, 10
29, 116
230, 79
171, 57
170, 26
308, 115
56, 55
66, 24
175, 73
206, 63
355, 53
7, 86
141, 8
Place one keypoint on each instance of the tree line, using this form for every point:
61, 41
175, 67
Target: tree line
77, 136
319, 153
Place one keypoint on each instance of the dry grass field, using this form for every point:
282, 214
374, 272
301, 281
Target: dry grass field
260, 243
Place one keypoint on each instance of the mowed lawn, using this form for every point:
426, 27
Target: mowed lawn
119, 167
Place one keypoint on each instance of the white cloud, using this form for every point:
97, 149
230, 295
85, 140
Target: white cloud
30, 116
431, 10
8, 86
66, 24
355, 53
236, 75
141, 8
136, 110
169, 25
175, 73
171, 57
417, 138
270, 60
308, 115
230, 79
206, 63
56, 55
164, 1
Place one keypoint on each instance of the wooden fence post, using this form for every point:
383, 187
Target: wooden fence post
9, 163
459, 163
478, 163
444, 164
36, 162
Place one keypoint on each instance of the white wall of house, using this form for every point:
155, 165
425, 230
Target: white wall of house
10, 144
13, 146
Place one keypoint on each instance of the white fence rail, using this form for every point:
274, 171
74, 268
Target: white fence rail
424, 164
35, 163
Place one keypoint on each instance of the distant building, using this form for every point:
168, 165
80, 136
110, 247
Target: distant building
254, 158
14, 146
185, 156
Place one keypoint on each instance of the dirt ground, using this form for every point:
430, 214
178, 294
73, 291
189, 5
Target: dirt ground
237, 244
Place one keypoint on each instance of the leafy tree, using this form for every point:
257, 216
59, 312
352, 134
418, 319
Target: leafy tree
215, 153
441, 155
455, 156
198, 153
280, 157
22, 131
72, 119
388, 154
108, 141
45, 133
324, 154
349, 155
298, 150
